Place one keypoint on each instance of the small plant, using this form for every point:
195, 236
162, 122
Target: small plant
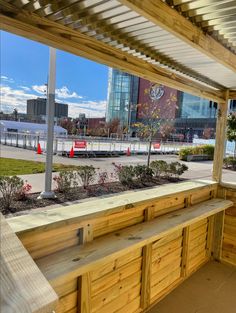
86, 175
103, 179
143, 173
177, 169
159, 168
125, 174
9, 188
23, 192
65, 180
230, 163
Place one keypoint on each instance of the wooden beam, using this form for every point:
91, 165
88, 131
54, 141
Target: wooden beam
24, 289
218, 235
53, 34
232, 94
169, 19
220, 139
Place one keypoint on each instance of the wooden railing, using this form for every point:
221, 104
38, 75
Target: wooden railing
126, 252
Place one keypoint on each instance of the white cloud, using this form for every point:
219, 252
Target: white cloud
64, 93
90, 108
41, 89
17, 98
14, 98
7, 79
61, 93
25, 88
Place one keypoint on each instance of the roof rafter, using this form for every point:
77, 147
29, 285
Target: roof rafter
164, 16
51, 33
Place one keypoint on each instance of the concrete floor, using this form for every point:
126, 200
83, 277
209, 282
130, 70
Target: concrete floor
212, 289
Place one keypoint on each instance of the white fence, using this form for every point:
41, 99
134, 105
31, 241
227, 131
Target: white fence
62, 144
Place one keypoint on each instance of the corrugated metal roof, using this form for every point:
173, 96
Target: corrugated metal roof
117, 25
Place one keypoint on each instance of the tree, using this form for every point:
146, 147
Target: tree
231, 130
151, 122
149, 125
68, 125
166, 129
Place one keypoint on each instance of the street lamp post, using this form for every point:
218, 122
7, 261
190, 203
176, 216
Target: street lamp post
48, 193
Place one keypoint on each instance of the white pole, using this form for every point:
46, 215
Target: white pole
48, 193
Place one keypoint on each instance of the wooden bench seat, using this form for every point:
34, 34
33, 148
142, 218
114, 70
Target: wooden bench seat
67, 264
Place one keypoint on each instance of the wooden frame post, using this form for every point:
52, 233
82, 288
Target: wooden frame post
146, 266
84, 282
220, 139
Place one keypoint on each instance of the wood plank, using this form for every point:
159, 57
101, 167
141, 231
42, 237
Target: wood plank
72, 262
167, 239
24, 289
198, 224
103, 298
67, 303
79, 214
121, 302
84, 282
116, 264
168, 248
115, 276
65, 288
165, 271
162, 262
197, 232
166, 282
185, 254
164, 16
218, 235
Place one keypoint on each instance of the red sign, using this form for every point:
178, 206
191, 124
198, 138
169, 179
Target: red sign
80, 144
157, 145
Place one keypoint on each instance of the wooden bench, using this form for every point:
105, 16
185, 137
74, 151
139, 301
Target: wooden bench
70, 263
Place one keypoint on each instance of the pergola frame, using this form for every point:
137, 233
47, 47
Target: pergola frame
22, 20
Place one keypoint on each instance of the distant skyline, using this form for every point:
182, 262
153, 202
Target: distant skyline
80, 83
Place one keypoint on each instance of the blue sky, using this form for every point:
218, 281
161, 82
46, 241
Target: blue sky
24, 68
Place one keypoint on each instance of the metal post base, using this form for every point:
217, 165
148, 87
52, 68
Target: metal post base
47, 195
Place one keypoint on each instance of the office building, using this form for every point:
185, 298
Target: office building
36, 109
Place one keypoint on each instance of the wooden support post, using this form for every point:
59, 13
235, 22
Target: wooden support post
220, 139
146, 266
218, 235
84, 282
185, 258
210, 233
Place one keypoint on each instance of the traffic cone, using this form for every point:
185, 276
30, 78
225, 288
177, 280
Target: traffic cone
71, 155
39, 150
128, 153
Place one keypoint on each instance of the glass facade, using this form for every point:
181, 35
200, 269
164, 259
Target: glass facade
195, 107
122, 97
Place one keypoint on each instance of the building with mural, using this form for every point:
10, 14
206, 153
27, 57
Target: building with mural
128, 95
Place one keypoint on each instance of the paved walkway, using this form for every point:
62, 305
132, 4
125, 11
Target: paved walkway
197, 170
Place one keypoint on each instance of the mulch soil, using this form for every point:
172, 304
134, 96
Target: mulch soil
31, 201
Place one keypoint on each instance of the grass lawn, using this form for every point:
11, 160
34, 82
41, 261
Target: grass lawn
9, 167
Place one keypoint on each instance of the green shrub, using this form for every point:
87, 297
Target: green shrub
66, 180
203, 149
230, 162
9, 188
177, 169
159, 168
86, 175
143, 173
126, 175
